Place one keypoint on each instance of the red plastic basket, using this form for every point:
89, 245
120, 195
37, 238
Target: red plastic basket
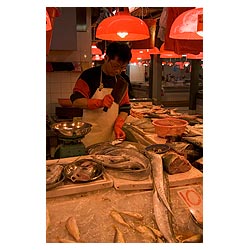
169, 127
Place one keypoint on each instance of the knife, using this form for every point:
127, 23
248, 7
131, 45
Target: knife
119, 90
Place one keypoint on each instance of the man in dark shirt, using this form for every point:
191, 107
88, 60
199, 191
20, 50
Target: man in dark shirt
92, 92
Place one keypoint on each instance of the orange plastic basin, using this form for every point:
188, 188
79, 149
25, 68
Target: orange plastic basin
169, 127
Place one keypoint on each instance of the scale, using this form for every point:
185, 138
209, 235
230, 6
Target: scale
70, 134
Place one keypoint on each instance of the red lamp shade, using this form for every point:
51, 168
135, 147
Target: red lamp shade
143, 54
192, 56
200, 25
155, 50
186, 24
97, 58
168, 53
95, 50
139, 55
122, 27
48, 22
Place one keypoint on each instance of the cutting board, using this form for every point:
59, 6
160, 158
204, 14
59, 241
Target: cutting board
68, 189
75, 188
193, 176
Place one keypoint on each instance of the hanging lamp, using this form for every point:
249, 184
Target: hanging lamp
143, 54
186, 63
168, 53
97, 58
48, 22
170, 64
192, 56
122, 27
95, 50
200, 25
138, 55
185, 25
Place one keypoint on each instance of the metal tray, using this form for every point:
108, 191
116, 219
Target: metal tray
58, 183
84, 170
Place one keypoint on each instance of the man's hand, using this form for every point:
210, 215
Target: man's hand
119, 133
107, 101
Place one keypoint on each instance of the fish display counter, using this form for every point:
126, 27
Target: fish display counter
147, 189
107, 215
129, 198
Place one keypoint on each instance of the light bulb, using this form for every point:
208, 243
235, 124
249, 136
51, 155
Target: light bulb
122, 34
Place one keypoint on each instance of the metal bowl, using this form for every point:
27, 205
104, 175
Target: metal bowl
71, 129
84, 170
57, 183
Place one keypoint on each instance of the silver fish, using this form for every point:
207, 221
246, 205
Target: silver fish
133, 154
130, 174
53, 173
136, 165
100, 148
111, 161
137, 135
159, 180
163, 219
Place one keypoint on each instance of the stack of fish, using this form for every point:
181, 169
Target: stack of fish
149, 233
125, 161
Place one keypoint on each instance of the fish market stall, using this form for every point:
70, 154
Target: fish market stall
146, 189
132, 205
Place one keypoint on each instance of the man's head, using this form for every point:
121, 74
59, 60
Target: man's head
117, 57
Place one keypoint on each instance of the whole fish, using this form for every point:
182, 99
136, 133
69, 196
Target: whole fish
111, 160
159, 180
132, 214
163, 218
117, 217
72, 228
118, 237
53, 173
117, 162
147, 232
130, 174
138, 135
100, 148
134, 155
